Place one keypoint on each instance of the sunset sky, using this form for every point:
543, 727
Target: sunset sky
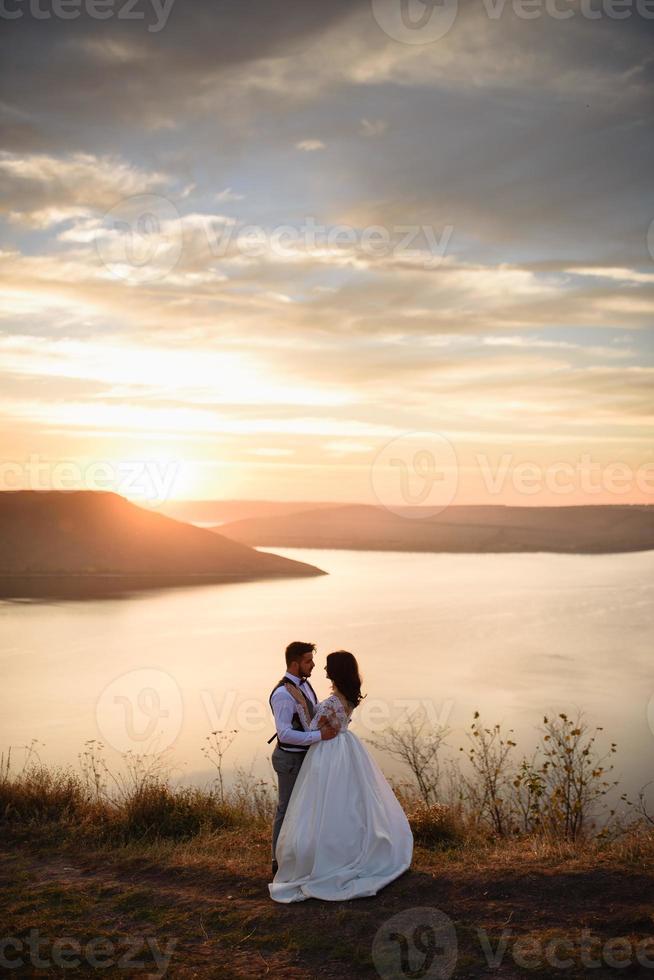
451, 239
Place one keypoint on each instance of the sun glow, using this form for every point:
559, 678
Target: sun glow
197, 376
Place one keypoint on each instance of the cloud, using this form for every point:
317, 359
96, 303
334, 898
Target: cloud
40, 190
620, 275
46, 217
515, 135
228, 195
113, 71
375, 127
271, 452
310, 146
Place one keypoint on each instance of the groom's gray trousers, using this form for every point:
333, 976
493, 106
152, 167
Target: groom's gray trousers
287, 766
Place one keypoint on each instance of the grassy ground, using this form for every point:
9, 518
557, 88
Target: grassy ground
152, 880
200, 908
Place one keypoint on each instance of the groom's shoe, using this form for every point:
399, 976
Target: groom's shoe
274, 867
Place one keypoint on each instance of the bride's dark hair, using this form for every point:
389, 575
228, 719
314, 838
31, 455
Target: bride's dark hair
343, 672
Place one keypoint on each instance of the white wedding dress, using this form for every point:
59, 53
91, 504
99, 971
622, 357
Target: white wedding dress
345, 834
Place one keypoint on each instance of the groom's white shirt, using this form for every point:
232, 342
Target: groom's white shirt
284, 706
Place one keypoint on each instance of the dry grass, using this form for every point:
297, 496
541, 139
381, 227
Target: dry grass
190, 866
148, 811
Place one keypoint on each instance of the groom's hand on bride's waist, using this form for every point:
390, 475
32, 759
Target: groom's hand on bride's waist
326, 730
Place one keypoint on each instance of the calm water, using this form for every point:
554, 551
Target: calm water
513, 636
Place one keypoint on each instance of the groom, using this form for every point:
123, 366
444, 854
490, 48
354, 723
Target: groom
292, 726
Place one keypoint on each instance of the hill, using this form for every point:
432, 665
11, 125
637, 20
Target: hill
577, 530
216, 512
88, 543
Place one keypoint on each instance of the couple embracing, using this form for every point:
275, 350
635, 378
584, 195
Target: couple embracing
339, 830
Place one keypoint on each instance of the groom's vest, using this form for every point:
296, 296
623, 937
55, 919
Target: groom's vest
296, 724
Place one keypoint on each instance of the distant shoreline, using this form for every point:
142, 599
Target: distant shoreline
385, 549
593, 530
52, 585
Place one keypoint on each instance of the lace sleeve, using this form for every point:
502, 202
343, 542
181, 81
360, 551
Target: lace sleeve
299, 705
332, 709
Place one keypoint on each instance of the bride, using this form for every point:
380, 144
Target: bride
344, 833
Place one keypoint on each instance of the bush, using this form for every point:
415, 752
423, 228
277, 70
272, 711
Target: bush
434, 825
157, 810
42, 795
143, 805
